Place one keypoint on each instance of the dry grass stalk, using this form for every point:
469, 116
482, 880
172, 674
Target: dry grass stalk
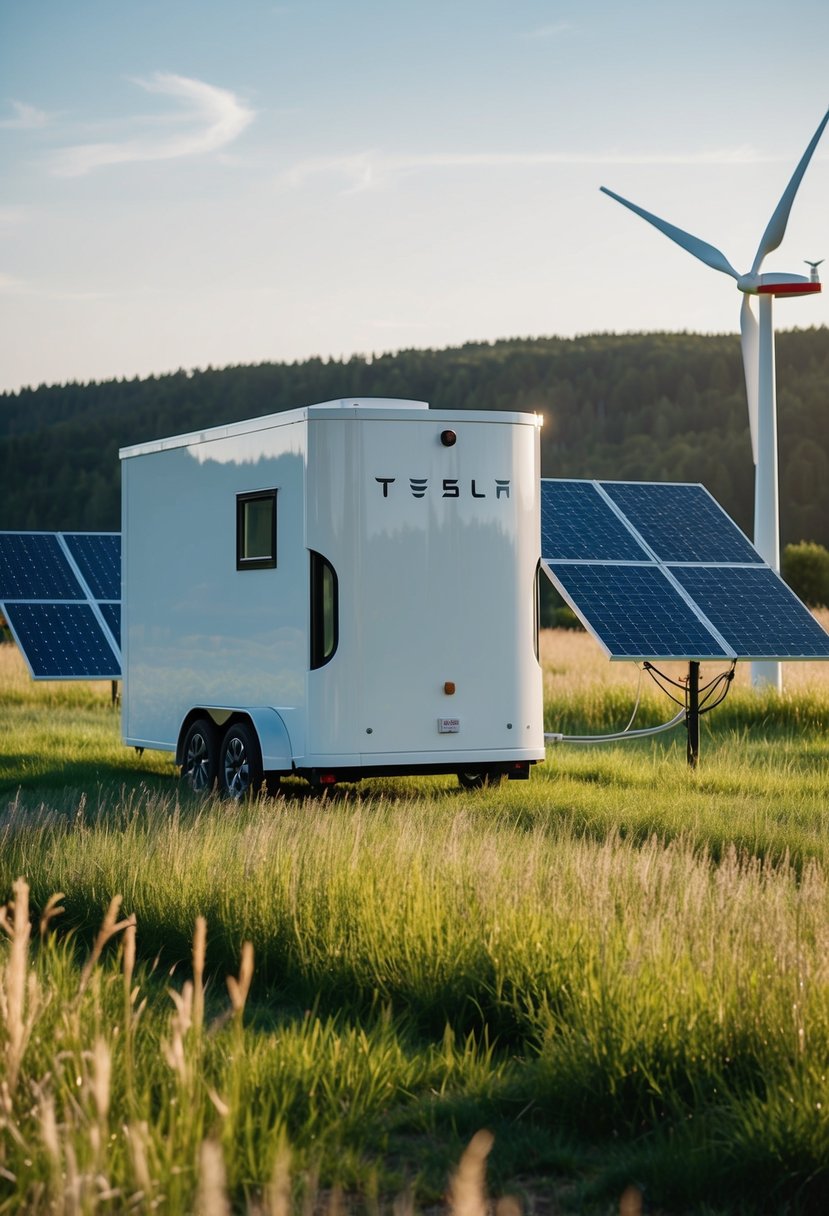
16, 985
240, 988
199, 953
129, 961
212, 1198
631, 1202
278, 1190
51, 1142
50, 912
180, 1022
467, 1186
138, 1136
403, 1204
111, 925
508, 1205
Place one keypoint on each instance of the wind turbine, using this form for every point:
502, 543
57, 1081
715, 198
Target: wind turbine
758, 359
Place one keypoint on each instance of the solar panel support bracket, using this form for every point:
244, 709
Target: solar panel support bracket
692, 713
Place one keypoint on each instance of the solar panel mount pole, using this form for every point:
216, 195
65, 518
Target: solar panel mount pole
692, 713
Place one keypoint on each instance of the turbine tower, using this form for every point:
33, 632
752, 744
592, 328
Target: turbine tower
758, 359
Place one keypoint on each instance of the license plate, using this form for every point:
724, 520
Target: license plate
449, 726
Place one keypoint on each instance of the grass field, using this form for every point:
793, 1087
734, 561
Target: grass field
620, 969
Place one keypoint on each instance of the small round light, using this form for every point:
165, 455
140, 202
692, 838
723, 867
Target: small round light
449, 688
448, 438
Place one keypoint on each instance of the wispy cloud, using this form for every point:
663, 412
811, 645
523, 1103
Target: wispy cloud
372, 170
553, 30
10, 285
26, 118
210, 119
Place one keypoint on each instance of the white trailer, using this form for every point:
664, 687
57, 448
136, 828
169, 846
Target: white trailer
339, 591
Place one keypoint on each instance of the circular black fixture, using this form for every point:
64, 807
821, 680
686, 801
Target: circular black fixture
448, 438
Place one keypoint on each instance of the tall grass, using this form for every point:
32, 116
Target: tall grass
118, 1097
620, 968
603, 991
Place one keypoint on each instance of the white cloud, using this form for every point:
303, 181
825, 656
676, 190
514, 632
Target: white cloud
210, 119
27, 118
371, 170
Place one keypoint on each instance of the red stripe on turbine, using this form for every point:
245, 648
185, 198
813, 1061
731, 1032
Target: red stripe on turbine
788, 289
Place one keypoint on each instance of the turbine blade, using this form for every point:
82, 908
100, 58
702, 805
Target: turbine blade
750, 335
700, 249
776, 228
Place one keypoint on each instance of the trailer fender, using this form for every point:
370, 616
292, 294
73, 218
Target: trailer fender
274, 739
271, 731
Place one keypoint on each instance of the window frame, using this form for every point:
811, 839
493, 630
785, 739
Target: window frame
319, 567
255, 563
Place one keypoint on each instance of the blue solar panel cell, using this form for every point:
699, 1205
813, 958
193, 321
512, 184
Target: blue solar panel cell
98, 556
636, 612
112, 616
577, 524
681, 523
62, 641
34, 567
755, 611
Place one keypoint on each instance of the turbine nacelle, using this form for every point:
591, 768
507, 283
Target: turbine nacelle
779, 285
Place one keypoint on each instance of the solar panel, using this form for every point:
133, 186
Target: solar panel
112, 616
98, 557
636, 612
698, 588
33, 566
578, 523
60, 594
755, 610
681, 523
62, 641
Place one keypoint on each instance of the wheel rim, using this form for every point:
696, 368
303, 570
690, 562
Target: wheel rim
236, 767
197, 762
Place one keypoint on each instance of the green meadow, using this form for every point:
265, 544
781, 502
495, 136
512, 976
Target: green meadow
604, 989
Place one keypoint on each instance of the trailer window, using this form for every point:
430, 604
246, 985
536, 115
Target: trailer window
324, 611
256, 530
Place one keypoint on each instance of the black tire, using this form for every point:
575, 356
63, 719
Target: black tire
240, 762
199, 756
479, 778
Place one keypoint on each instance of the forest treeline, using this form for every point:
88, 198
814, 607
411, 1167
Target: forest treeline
663, 407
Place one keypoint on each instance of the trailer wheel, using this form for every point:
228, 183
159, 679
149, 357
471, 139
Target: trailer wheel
479, 778
198, 751
240, 761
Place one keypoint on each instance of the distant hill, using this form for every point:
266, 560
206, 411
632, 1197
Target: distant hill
665, 407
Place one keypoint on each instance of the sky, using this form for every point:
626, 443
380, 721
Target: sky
193, 183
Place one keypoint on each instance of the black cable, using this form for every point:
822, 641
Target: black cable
719, 683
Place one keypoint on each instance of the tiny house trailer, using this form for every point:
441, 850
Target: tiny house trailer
339, 591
